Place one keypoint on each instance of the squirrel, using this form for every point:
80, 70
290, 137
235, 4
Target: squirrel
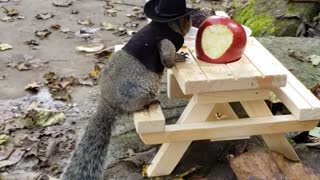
130, 82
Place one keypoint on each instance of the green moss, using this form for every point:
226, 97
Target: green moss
236, 4
260, 25
245, 14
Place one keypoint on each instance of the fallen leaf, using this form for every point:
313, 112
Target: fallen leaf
33, 87
62, 95
22, 66
130, 25
111, 12
50, 76
3, 139
55, 26
188, 172
316, 91
14, 158
90, 48
298, 55
86, 22
21, 17
86, 32
32, 42
68, 81
11, 12
105, 53
62, 3
96, 72
108, 26
273, 98
44, 16
7, 19
87, 82
43, 33
315, 59
121, 32
44, 117
65, 30
4, 47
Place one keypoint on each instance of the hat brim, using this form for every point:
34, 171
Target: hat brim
149, 11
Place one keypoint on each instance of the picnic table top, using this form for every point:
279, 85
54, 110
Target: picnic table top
257, 68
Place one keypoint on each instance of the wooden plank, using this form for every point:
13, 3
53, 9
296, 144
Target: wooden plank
212, 71
233, 96
218, 77
223, 111
170, 154
149, 120
294, 82
186, 72
261, 60
276, 142
243, 68
173, 89
293, 101
227, 129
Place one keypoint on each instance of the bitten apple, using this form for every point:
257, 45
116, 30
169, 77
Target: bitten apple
220, 40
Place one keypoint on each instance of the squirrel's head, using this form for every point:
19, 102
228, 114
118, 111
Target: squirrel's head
181, 25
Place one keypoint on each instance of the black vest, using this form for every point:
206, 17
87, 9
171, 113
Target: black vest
144, 44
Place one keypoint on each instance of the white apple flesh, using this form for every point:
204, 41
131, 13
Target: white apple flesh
220, 40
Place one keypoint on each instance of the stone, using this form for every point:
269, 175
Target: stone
275, 18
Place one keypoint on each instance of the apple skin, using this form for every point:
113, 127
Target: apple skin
235, 50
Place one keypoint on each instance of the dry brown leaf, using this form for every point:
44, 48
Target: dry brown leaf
44, 16
43, 33
316, 91
96, 72
32, 42
111, 12
91, 48
4, 46
108, 26
62, 3
86, 22
50, 76
105, 53
33, 87
22, 66
11, 12
55, 26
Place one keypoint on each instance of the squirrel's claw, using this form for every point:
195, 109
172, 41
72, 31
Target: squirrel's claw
182, 57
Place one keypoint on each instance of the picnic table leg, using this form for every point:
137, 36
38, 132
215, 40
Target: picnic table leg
170, 154
275, 142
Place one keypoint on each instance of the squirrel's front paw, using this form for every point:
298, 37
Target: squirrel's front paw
182, 57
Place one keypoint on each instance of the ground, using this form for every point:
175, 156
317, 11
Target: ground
38, 148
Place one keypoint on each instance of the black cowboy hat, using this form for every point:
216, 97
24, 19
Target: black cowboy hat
166, 10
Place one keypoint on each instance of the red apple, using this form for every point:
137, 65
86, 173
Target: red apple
220, 40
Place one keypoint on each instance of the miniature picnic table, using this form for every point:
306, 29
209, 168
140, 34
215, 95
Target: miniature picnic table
208, 115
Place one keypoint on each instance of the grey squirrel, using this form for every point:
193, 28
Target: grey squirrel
128, 84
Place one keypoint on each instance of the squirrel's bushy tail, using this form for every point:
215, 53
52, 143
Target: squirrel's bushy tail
88, 159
